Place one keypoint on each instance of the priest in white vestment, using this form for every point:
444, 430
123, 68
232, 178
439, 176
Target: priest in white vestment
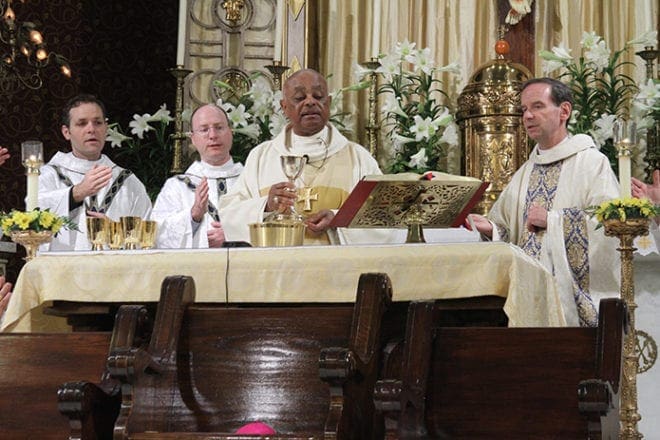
542, 209
84, 182
186, 208
334, 167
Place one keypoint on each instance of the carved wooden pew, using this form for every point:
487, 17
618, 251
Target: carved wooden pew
308, 371
513, 383
32, 367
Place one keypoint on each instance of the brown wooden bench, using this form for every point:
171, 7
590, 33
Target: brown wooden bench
505, 383
32, 367
307, 371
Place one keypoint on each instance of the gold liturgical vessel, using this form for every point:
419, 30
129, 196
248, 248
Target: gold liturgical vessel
490, 121
287, 227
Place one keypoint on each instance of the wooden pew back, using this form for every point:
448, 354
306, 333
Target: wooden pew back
308, 371
514, 383
32, 367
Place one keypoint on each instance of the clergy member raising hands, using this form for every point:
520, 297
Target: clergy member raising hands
543, 208
334, 166
186, 208
85, 182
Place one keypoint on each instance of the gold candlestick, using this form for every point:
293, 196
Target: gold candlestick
179, 136
372, 124
277, 70
652, 157
626, 231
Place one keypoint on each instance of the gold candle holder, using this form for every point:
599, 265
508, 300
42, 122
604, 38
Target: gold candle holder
277, 70
372, 124
179, 136
626, 231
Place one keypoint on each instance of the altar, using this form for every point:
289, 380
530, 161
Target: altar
286, 275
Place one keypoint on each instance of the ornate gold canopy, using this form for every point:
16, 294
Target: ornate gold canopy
489, 117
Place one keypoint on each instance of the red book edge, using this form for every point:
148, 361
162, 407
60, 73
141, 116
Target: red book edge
353, 203
476, 197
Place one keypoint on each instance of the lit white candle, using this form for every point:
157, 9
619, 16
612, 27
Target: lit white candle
181, 37
375, 32
280, 18
32, 191
624, 174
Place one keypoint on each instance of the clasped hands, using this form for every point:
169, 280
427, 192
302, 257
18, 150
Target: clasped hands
215, 233
282, 196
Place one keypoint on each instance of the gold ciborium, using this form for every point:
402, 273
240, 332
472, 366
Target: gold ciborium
116, 241
31, 240
98, 232
132, 227
148, 234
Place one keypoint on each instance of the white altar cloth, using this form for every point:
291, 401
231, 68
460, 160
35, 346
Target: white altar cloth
295, 274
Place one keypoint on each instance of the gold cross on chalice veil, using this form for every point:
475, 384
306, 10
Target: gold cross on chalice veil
305, 195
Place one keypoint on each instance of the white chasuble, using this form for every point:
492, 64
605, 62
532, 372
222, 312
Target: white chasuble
176, 228
125, 195
565, 180
335, 166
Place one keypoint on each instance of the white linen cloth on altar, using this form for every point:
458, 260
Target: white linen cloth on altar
293, 274
176, 228
130, 200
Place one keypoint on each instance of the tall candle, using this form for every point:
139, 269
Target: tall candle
280, 18
375, 32
624, 174
181, 37
32, 191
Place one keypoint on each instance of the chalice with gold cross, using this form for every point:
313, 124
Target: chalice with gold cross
292, 166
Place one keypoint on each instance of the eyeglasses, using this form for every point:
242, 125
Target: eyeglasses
206, 131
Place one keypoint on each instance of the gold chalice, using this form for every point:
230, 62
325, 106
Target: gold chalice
116, 236
148, 236
98, 232
132, 228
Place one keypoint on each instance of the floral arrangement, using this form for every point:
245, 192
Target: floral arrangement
622, 209
256, 116
601, 92
420, 128
36, 220
148, 153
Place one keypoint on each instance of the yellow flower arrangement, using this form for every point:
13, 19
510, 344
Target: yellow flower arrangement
628, 208
36, 220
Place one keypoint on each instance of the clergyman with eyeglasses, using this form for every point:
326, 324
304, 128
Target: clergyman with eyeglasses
84, 182
334, 166
186, 207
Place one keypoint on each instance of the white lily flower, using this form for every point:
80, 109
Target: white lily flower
603, 129
402, 50
419, 159
648, 38
422, 60
360, 72
443, 119
598, 55
251, 130
393, 105
162, 115
450, 135
559, 53
140, 124
422, 128
238, 117
589, 40
551, 65
115, 137
453, 67
276, 124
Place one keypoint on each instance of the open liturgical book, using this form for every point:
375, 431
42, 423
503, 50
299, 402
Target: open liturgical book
437, 200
